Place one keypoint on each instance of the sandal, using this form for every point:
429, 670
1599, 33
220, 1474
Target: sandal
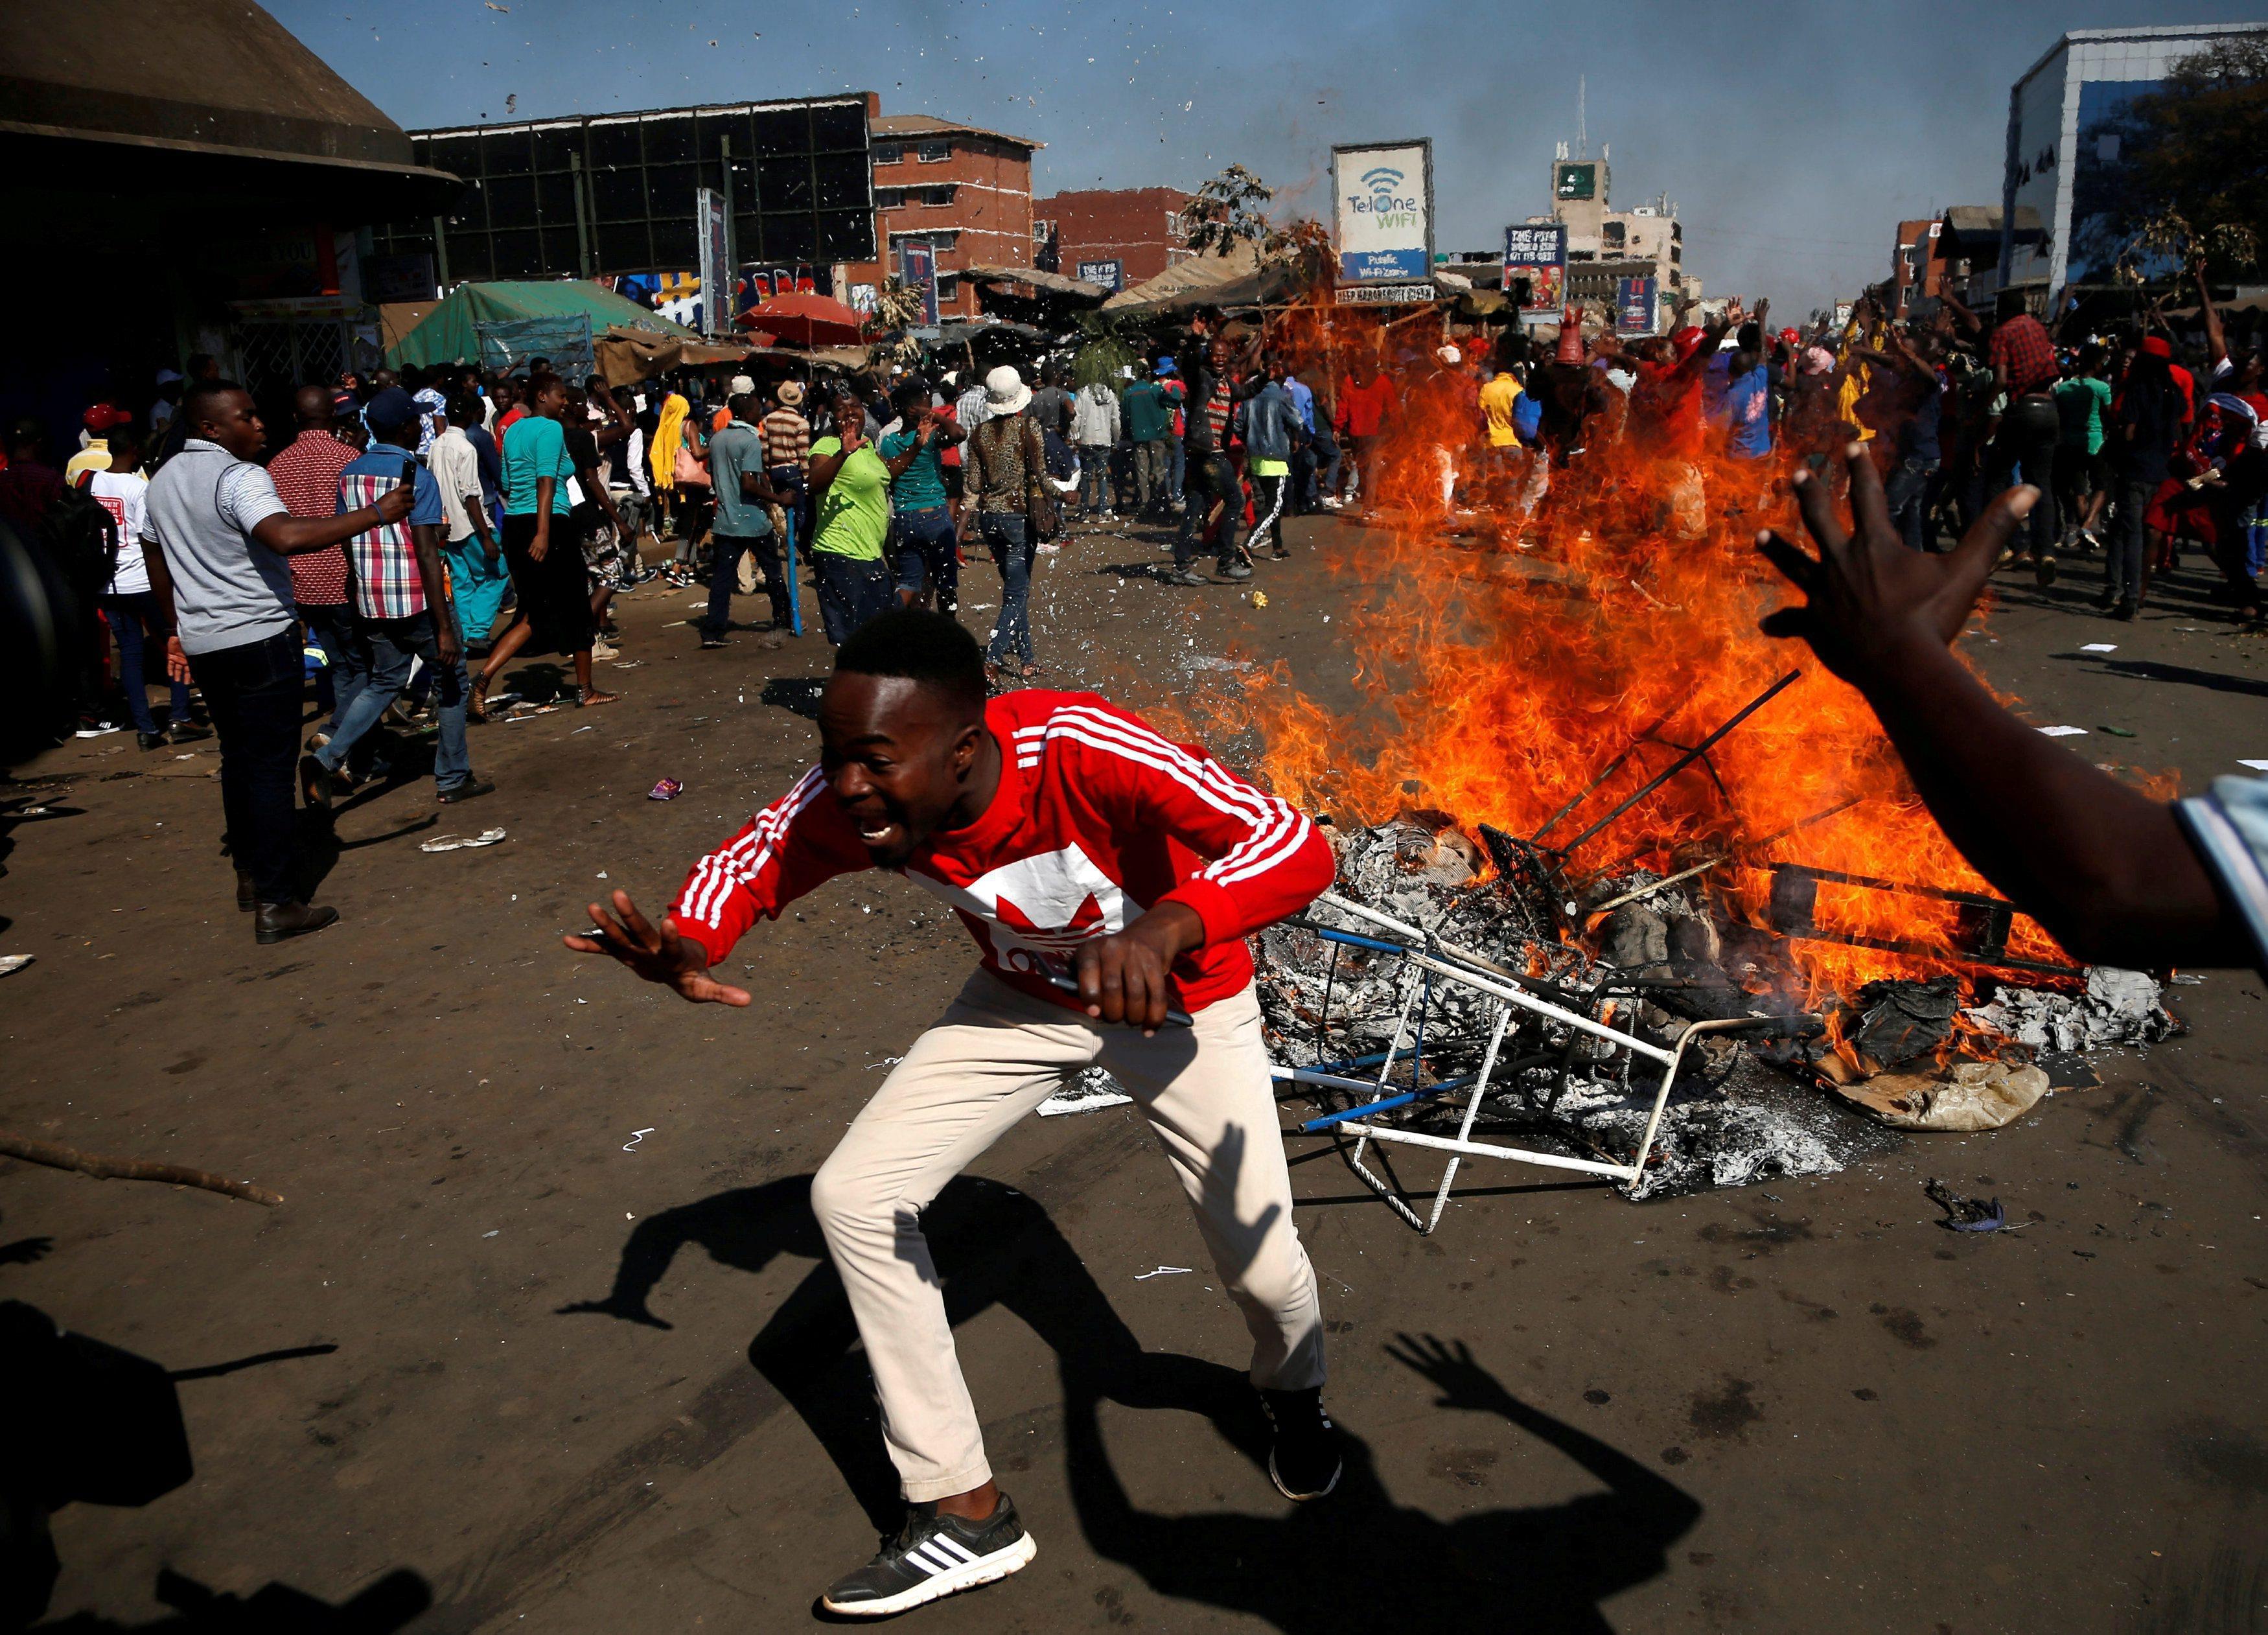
594, 697
476, 703
1031, 670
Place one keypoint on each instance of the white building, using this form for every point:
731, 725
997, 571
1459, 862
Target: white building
2061, 163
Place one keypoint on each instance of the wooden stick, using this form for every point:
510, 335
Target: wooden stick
55, 1156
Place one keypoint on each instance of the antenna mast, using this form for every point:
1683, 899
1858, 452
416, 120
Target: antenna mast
1582, 134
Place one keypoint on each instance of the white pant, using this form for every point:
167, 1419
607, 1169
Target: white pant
992, 1058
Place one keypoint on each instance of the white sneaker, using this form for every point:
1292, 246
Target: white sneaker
602, 650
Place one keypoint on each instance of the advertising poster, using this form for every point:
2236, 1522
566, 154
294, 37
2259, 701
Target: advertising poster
1383, 201
920, 263
1110, 274
1636, 310
1535, 254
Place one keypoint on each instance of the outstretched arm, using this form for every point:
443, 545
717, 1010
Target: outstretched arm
2106, 870
2216, 338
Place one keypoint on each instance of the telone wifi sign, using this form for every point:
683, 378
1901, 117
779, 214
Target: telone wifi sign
1384, 208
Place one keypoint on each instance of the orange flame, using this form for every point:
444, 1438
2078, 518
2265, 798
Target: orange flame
1498, 674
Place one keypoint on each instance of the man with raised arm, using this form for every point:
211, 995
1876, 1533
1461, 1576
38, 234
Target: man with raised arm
1110, 877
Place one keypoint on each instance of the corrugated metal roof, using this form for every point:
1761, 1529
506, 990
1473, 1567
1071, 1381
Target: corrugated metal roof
930, 125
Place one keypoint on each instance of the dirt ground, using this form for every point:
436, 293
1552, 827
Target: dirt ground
543, 1338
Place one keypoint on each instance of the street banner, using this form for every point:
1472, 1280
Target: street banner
1383, 195
1636, 305
920, 262
1535, 253
1385, 294
716, 314
1110, 274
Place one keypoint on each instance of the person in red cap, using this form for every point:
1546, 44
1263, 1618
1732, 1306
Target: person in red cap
100, 420
1666, 403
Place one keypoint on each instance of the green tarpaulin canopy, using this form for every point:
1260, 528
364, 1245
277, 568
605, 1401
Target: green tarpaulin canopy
448, 335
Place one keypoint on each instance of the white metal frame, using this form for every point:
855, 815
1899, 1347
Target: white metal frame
1508, 995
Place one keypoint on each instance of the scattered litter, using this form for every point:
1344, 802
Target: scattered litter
98, 732
460, 843
2115, 731
2119, 1007
1966, 1214
10, 963
503, 701
1973, 1095
1163, 1272
1260, 599
583, 729
2258, 766
602, 873
189, 755
529, 715
2100, 647
628, 664
637, 1136
490, 1234
669, 789
2063, 731
1092, 1091
1206, 661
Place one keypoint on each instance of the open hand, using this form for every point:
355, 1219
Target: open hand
659, 953
394, 504
1869, 597
177, 661
1449, 1364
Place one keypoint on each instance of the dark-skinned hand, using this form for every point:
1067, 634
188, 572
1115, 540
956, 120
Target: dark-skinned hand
657, 952
394, 504
1122, 977
1868, 597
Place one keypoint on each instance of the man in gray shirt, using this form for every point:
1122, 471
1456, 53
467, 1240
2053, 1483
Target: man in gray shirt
223, 589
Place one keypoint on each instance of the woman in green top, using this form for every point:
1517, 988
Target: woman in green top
851, 494
541, 548
2082, 471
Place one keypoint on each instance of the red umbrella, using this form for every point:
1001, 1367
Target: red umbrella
807, 319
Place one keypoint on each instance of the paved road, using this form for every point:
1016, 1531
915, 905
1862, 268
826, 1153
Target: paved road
501, 1367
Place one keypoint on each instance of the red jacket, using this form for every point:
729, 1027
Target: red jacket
1097, 820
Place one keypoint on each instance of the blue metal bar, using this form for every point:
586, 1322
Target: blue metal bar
1385, 1105
1372, 1060
1354, 941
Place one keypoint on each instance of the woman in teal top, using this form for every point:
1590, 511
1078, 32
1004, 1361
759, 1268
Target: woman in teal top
541, 549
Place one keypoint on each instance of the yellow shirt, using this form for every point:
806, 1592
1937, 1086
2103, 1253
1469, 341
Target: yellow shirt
94, 457
1847, 401
1498, 400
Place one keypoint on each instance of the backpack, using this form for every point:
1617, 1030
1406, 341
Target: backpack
81, 538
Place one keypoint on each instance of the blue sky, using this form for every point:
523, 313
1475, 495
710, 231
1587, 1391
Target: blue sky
1792, 137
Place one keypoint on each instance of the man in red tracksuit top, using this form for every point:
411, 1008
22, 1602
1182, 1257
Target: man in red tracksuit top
1108, 875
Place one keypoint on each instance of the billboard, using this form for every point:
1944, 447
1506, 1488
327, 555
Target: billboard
1535, 253
1110, 274
1383, 199
1576, 181
920, 263
717, 312
1636, 302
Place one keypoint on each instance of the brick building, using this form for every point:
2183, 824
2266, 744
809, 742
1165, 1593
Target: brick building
1917, 265
964, 190
1140, 228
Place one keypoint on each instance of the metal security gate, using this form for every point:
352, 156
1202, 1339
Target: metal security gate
273, 356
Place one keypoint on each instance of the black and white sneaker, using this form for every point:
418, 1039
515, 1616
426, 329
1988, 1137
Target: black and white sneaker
1304, 1460
936, 1556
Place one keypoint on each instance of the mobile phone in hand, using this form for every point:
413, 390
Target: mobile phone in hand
408, 473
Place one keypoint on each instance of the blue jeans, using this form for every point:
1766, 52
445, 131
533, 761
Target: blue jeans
924, 542
125, 614
1009, 535
1323, 468
725, 579
852, 591
393, 644
338, 632
1094, 476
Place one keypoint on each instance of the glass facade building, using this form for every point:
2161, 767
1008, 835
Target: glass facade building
614, 193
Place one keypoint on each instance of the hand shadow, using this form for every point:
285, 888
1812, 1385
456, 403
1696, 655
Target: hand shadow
1359, 1561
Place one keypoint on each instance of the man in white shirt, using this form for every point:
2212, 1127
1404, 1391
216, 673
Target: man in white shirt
477, 576
122, 491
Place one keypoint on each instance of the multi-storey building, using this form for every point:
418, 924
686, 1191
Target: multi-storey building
1115, 236
962, 190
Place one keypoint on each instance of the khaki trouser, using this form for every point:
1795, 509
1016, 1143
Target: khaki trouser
992, 1058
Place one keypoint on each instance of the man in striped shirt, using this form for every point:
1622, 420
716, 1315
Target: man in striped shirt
1108, 876
403, 602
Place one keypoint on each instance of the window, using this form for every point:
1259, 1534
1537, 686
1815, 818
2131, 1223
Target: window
935, 195
889, 153
889, 198
948, 285
1613, 232
935, 151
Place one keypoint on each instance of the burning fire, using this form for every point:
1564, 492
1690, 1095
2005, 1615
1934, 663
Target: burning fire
1499, 677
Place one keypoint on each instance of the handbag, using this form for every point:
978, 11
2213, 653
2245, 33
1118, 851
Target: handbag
690, 466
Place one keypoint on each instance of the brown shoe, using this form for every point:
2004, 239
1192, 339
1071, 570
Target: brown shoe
274, 922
